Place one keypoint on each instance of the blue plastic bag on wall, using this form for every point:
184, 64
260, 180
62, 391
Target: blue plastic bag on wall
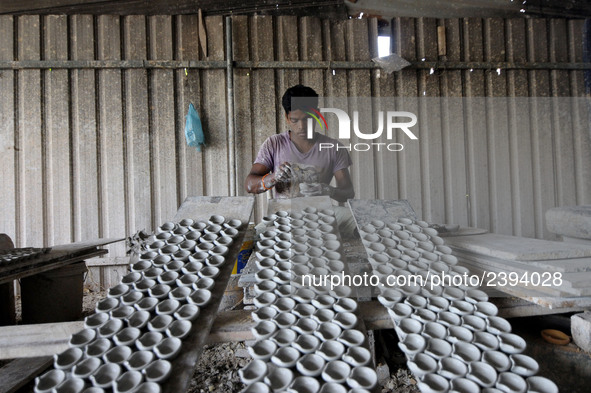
194, 129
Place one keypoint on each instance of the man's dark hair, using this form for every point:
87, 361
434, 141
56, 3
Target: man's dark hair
299, 97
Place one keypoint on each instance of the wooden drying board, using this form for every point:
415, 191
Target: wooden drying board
44, 339
366, 210
519, 249
274, 205
298, 204
28, 341
58, 256
19, 372
201, 208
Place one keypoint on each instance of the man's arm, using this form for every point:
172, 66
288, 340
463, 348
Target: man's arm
254, 180
254, 183
344, 189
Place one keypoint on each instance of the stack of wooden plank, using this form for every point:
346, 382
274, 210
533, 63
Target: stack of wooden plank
554, 274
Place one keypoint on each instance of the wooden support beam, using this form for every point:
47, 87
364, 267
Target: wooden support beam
329, 8
48, 339
19, 372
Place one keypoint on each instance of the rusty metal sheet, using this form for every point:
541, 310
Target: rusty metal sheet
265, 95
162, 115
85, 184
30, 209
7, 131
188, 90
246, 150
110, 135
56, 160
214, 114
454, 132
136, 127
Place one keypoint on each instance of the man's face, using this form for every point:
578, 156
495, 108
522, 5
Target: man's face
298, 123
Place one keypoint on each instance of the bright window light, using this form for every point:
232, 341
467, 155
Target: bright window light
383, 45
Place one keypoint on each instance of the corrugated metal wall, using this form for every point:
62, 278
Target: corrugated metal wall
88, 153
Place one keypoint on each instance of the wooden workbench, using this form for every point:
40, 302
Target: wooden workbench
57, 257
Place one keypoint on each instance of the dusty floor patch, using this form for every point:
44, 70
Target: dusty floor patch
401, 381
217, 369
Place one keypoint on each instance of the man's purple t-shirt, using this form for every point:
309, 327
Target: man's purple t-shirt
315, 166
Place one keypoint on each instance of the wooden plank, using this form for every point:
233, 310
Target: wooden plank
554, 300
85, 198
155, 7
59, 256
232, 326
365, 211
264, 94
512, 307
288, 49
56, 138
13, 275
188, 90
214, 115
19, 372
572, 284
162, 118
7, 131
30, 176
335, 80
310, 40
46, 339
245, 149
517, 248
108, 261
93, 279
112, 275
136, 128
298, 204
85, 245
358, 93
203, 207
293, 204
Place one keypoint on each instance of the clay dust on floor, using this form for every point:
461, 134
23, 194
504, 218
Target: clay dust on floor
217, 369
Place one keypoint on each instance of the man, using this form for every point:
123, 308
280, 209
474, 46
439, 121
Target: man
293, 165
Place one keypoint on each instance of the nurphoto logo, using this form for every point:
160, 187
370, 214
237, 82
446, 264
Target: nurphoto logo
394, 120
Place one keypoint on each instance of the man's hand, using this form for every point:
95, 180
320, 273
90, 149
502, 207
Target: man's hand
283, 173
326, 190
